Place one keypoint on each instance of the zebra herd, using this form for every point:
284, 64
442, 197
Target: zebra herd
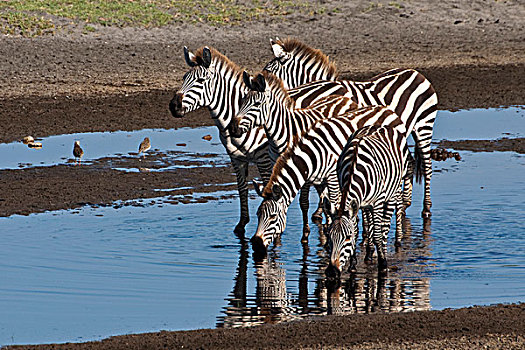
302, 126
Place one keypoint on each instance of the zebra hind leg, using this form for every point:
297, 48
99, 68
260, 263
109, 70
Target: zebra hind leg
369, 243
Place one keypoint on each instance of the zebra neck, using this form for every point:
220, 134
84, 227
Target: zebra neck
225, 99
279, 127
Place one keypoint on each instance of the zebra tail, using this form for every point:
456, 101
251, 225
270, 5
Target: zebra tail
419, 171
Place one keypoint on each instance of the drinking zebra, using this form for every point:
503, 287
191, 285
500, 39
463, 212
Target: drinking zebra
405, 91
215, 82
370, 171
312, 158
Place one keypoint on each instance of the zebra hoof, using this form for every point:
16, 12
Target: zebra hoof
426, 214
382, 266
239, 230
397, 244
317, 219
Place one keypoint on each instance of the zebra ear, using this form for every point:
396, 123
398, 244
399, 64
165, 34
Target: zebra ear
258, 188
189, 57
260, 83
206, 57
277, 192
278, 50
247, 80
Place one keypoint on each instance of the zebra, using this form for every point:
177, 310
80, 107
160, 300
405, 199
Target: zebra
215, 82
370, 172
406, 91
311, 158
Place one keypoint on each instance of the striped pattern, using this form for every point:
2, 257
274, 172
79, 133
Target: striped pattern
370, 171
405, 91
274, 110
312, 159
215, 82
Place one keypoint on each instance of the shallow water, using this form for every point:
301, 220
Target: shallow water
471, 124
184, 143
91, 273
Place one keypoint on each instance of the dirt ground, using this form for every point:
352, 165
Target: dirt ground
123, 79
495, 327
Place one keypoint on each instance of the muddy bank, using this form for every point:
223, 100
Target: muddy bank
500, 145
34, 190
459, 87
499, 327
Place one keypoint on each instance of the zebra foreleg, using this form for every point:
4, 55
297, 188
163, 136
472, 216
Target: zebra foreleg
317, 216
368, 216
408, 182
304, 203
379, 214
400, 213
241, 171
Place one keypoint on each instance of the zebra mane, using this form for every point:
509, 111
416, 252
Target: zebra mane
276, 86
298, 48
219, 59
280, 164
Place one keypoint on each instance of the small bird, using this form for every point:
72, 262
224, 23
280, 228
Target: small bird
144, 146
78, 152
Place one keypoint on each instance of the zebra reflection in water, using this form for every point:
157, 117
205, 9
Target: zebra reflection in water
407, 289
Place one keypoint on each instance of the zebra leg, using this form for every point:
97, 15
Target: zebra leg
265, 167
369, 215
379, 213
400, 212
304, 203
424, 166
367, 220
317, 216
408, 182
241, 171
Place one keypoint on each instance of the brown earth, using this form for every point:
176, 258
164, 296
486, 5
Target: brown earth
123, 79
494, 327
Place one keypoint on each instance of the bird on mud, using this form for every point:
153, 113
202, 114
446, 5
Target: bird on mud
78, 152
144, 146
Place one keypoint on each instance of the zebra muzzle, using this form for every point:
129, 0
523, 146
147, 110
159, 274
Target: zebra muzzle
175, 106
332, 272
258, 244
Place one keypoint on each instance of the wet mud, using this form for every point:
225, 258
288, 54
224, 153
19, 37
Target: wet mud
501, 145
498, 327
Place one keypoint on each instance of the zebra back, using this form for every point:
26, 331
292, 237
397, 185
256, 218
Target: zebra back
371, 166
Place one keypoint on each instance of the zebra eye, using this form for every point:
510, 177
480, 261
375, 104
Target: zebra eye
257, 104
273, 216
200, 80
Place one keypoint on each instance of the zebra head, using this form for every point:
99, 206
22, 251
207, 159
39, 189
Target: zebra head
283, 65
196, 88
253, 107
297, 63
272, 218
342, 235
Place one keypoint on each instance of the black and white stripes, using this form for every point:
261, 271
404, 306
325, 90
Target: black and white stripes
370, 171
312, 158
215, 82
405, 91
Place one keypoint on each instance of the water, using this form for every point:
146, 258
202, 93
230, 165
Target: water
183, 144
91, 273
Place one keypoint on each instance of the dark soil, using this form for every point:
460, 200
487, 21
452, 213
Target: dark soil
498, 327
500, 145
123, 79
